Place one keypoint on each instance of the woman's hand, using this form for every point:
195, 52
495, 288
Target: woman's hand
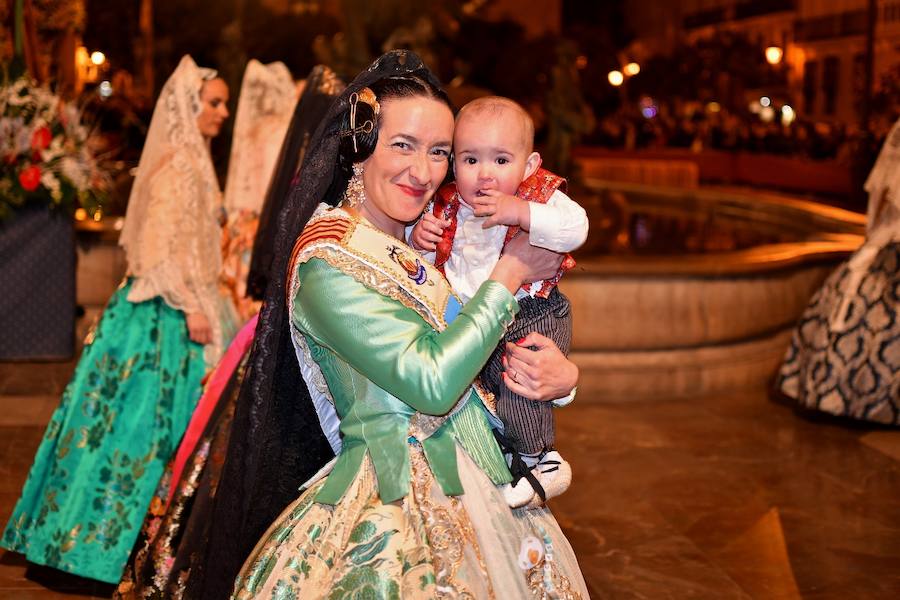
541, 374
198, 328
523, 263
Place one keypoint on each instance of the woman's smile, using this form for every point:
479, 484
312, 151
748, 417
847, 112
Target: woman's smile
409, 190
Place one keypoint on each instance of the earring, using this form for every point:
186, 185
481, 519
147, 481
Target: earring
356, 193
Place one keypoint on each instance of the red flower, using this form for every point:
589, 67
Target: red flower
41, 138
30, 178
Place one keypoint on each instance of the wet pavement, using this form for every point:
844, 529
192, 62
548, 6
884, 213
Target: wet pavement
725, 496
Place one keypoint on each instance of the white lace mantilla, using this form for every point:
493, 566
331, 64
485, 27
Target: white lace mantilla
172, 234
268, 97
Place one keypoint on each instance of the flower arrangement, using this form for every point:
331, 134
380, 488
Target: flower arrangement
45, 154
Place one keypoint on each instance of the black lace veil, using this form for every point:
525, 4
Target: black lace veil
276, 443
322, 85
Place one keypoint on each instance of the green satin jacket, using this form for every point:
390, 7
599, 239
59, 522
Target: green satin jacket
383, 363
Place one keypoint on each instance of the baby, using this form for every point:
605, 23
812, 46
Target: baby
499, 189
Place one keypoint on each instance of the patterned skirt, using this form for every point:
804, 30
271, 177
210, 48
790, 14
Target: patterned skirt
105, 448
427, 545
238, 237
853, 371
176, 527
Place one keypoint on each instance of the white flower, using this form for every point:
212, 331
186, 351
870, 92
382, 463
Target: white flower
49, 181
23, 140
73, 170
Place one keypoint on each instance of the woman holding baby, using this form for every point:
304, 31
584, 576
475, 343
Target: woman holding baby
411, 504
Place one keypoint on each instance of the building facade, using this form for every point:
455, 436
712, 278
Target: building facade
824, 42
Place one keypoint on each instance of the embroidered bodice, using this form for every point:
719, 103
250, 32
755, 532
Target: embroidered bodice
398, 354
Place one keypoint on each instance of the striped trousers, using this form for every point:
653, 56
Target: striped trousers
529, 424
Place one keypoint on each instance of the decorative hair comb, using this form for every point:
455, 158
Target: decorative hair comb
367, 96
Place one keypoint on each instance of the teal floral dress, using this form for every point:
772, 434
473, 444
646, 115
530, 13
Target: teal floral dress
118, 423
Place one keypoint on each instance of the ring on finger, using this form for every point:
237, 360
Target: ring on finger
514, 375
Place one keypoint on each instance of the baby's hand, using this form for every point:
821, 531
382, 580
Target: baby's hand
501, 209
427, 232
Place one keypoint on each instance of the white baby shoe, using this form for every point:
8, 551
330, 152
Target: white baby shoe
554, 474
518, 495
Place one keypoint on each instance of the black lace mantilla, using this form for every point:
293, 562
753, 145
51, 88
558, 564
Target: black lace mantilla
322, 85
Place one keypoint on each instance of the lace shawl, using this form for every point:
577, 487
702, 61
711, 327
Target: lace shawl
883, 183
268, 96
172, 235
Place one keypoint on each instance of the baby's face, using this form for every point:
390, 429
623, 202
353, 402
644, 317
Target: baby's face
490, 153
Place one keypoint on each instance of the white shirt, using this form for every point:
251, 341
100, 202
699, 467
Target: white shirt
560, 225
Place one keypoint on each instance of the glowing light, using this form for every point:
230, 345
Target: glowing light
615, 78
632, 69
713, 107
81, 56
787, 114
98, 215
98, 58
765, 101
767, 114
80, 214
774, 55
648, 107
581, 61
105, 89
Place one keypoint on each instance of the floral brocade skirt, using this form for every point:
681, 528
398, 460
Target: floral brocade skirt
427, 545
176, 528
118, 423
853, 371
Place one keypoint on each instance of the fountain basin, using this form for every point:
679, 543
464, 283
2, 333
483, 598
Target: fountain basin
681, 292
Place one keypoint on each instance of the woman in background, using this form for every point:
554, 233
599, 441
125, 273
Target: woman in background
844, 358
138, 378
268, 97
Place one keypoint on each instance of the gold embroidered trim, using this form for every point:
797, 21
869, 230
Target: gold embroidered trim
387, 269
561, 586
449, 531
377, 276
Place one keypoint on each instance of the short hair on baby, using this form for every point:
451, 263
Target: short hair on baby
497, 104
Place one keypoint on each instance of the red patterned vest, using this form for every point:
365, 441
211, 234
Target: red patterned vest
537, 188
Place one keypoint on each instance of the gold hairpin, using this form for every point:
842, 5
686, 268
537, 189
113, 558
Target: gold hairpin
368, 96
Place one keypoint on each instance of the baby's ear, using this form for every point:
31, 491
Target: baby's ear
532, 164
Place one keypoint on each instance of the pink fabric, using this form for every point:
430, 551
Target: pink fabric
218, 379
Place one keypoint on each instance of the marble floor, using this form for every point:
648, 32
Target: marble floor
730, 496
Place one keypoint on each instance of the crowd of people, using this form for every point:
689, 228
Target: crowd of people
695, 126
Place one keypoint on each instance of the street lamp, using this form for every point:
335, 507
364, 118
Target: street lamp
787, 114
615, 78
98, 58
774, 55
